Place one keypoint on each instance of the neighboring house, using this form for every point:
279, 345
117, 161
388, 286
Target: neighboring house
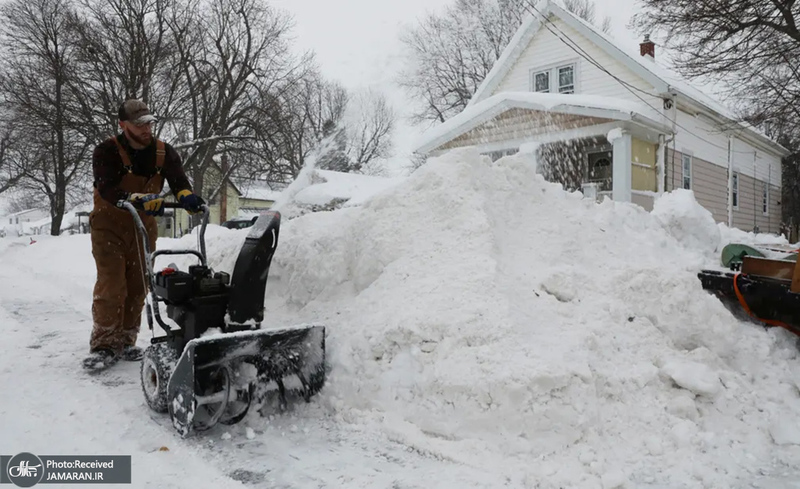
630, 128
21, 223
240, 198
256, 196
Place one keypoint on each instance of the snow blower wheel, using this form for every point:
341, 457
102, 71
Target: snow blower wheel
156, 369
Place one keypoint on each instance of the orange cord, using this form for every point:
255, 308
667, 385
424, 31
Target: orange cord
771, 322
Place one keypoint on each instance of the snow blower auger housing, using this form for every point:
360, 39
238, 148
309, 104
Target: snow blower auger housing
766, 290
215, 359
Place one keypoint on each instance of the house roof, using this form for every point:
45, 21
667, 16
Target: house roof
583, 105
664, 81
26, 211
255, 190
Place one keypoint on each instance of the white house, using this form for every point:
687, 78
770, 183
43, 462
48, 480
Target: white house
633, 128
19, 223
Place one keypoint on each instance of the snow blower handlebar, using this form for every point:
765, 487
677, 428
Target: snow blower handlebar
150, 256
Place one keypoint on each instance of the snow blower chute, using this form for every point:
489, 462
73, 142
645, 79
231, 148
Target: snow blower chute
215, 359
767, 290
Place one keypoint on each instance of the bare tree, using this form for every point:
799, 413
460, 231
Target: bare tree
306, 113
232, 55
125, 50
752, 47
369, 131
451, 54
11, 169
585, 9
38, 63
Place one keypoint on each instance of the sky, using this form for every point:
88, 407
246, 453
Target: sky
357, 42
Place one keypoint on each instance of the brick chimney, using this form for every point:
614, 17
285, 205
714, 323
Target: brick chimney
647, 47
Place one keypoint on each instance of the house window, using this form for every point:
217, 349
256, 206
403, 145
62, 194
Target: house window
765, 200
566, 79
563, 79
541, 81
687, 172
735, 191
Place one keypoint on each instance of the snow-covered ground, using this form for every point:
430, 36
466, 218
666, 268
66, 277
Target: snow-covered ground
485, 329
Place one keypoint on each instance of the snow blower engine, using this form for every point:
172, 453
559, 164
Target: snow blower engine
215, 359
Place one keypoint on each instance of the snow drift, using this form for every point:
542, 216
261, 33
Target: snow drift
476, 305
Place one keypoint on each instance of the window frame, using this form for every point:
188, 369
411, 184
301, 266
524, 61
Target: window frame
553, 78
735, 190
533, 81
765, 199
558, 77
684, 158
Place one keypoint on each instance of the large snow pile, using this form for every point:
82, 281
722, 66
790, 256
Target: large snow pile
480, 313
688, 222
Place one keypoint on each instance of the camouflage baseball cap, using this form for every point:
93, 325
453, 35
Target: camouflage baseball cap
136, 112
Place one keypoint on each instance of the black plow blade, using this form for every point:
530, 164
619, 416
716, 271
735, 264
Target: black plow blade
216, 378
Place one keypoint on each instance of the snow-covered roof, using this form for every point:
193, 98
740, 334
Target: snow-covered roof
664, 80
585, 105
26, 211
256, 190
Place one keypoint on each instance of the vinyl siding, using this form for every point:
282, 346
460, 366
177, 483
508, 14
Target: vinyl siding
710, 187
709, 183
749, 213
699, 137
546, 50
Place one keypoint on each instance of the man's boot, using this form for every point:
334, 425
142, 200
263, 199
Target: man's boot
132, 353
100, 359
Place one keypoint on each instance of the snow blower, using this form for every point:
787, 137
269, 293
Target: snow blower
766, 290
215, 359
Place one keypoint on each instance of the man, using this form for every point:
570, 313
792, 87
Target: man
131, 166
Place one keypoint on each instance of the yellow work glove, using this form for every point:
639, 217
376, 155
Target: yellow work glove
151, 203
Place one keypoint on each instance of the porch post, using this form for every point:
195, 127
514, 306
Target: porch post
621, 179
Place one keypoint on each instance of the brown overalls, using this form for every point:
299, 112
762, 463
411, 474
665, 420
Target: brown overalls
119, 255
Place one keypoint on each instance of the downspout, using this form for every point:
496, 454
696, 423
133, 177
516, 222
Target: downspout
730, 181
671, 113
755, 192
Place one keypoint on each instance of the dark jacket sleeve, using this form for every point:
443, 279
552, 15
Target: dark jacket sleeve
107, 174
173, 171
